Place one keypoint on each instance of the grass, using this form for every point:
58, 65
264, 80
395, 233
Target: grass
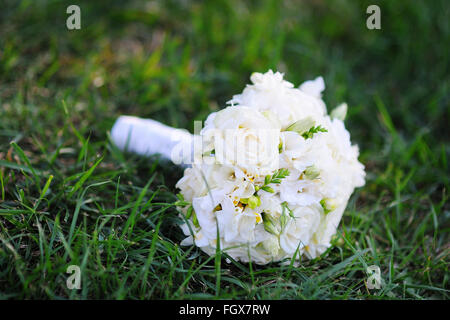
68, 196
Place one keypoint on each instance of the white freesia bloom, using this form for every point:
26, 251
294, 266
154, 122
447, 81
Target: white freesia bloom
281, 175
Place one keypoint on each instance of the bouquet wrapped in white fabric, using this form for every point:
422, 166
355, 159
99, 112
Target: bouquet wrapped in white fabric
270, 175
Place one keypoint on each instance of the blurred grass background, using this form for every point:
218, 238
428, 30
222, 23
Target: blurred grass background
70, 197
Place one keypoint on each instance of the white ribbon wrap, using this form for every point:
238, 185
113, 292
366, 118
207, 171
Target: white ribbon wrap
147, 137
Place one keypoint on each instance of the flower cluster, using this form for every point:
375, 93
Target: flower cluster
281, 174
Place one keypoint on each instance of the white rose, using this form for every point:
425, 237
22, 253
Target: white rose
320, 241
338, 141
300, 229
272, 245
243, 137
271, 205
298, 191
270, 92
192, 184
313, 87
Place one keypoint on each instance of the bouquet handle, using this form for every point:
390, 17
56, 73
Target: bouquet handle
148, 137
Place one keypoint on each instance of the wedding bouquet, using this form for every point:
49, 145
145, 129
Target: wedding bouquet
270, 175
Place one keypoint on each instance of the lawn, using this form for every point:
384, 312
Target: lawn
68, 196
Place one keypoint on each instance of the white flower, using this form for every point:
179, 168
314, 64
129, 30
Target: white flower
340, 112
204, 210
313, 87
270, 92
300, 192
326, 229
300, 229
243, 137
271, 205
192, 183
272, 245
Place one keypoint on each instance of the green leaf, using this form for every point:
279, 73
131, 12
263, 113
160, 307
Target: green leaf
181, 202
281, 173
84, 177
310, 133
44, 191
16, 166
268, 189
285, 207
25, 159
180, 196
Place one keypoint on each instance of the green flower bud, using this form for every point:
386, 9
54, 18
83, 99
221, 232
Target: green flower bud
283, 221
269, 225
189, 212
243, 200
328, 205
254, 201
312, 172
195, 220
